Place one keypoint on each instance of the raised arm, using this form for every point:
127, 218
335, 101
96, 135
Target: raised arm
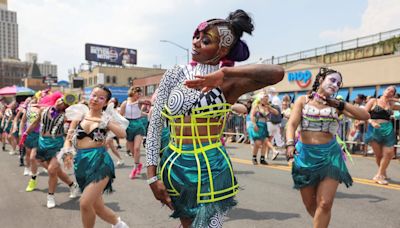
236, 81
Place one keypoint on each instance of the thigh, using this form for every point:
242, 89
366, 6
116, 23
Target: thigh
327, 189
388, 151
308, 194
137, 141
376, 147
93, 191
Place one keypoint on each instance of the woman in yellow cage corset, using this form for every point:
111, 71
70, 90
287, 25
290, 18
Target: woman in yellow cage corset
195, 175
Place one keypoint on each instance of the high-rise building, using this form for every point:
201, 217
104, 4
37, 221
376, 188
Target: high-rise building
8, 32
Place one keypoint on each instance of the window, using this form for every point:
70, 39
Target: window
150, 89
114, 79
107, 79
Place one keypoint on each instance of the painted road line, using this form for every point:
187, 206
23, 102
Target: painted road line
288, 168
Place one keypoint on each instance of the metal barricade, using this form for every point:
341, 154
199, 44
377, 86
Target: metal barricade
236, 128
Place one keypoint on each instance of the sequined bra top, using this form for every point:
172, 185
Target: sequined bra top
175, 101
97, 134
380, 113
319, 120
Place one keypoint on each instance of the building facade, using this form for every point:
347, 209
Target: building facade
8, 32
117, 79
12, 72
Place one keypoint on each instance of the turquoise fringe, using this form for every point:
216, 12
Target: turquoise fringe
314, 163
93, 165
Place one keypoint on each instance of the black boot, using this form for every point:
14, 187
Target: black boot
262, 161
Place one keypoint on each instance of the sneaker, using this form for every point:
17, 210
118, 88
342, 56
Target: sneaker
73, 191
275, 154
120, 224
263, 162
26, 171
12, 152
255, 161
139, 169
133, 173
51, 201
120, 162
31, 185
380, 180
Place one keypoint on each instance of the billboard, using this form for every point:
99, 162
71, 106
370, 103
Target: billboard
110, 55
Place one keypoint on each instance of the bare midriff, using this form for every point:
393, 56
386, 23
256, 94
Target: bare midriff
315, 137
198, 130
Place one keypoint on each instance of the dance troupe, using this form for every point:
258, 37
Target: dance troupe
188, 167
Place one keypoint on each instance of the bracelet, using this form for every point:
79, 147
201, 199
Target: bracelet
152, 180
341, 106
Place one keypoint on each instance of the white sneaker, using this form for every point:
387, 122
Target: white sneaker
51, 201
120, 162
275, 154
120, 224
12, 152
73, 191
26, 171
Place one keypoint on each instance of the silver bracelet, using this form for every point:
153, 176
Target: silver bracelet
152, 180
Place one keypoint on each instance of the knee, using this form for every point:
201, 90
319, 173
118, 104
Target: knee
85, 205
325, 204
53, 170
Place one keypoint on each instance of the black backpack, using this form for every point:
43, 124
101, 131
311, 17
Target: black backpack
276, 119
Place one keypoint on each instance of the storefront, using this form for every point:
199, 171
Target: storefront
369, 76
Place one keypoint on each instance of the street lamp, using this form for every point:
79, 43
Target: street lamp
179, 46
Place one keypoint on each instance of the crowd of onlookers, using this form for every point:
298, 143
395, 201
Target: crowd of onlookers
351, 131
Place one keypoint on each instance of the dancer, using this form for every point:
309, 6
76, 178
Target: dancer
131, 110
110, 136
195, 176
380, 134
318, 166
259, 131
51, 140
94, 168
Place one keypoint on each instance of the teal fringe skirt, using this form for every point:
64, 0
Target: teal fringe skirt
313, 163
383, 135
135, 127
262, 132
93, 165
32, 140
48, 147
187, 177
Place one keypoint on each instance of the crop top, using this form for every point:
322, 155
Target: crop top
380, 113
132, 111
179, 100
319, 120
52, 124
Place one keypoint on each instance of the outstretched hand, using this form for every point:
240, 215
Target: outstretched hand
206, 82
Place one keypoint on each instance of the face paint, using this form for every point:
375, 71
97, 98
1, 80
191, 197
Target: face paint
332, 83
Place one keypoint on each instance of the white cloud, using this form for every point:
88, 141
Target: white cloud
379, 16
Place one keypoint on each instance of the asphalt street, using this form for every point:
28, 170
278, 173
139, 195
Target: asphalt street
266, 198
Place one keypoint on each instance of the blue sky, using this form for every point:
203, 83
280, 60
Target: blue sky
58, 29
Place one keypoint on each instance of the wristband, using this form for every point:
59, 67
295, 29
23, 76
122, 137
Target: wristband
152, 180
341, 106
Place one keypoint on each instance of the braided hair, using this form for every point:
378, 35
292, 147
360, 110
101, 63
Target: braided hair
323, 72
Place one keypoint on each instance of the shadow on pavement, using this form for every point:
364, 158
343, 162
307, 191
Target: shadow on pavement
72, 204
244, 172
241, 213
373, 198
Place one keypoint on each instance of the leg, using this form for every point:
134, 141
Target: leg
53, 169
308, 195
110, 144
377, 151
387, 156
257, 145
92, 193
105, 212
325, 195
137, 142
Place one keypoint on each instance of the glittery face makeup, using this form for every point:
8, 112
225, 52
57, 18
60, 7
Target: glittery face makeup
332, 83
205, 46
98, 97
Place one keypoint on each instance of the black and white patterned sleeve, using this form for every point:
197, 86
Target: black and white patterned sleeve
153, 139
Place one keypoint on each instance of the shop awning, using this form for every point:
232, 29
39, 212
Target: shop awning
344, 92
367, 91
